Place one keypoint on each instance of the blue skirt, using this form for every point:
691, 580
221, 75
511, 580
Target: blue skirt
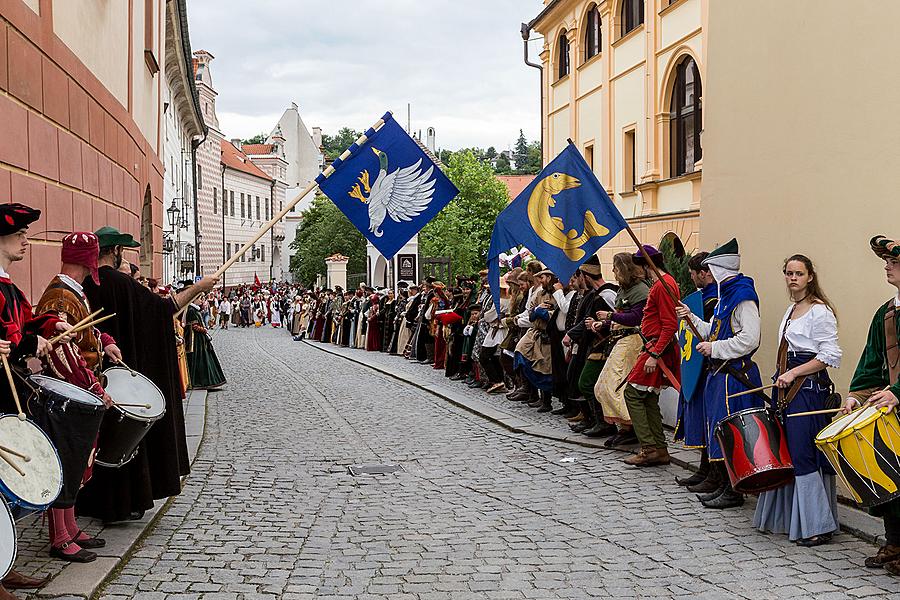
720, 385
539, 380
802, 431
690, 427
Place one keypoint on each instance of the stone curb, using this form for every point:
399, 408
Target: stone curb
84, 580
853, 520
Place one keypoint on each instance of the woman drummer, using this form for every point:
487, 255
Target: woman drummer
878, 368
806, 509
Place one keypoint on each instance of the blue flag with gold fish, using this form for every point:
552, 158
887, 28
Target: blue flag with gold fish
388, 187
564, 216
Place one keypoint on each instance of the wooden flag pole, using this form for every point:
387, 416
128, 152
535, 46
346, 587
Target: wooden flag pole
659, 276
287, 208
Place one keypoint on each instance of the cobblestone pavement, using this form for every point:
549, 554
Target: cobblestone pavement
271, 511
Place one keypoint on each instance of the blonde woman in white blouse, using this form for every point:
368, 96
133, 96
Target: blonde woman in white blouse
806, 510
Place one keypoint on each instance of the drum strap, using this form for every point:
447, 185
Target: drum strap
890, 341
785, 397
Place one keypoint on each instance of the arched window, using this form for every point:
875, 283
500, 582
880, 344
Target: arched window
592, 35
632, 15
686, 118
563, 61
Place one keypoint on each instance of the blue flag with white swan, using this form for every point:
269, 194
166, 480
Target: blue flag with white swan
388, 187
563, 217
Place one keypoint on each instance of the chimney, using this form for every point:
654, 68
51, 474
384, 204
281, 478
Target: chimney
236, 142
317, 136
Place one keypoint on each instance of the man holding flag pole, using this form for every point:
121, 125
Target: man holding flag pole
563, 217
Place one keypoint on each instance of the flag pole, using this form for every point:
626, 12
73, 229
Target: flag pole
274, 220
659, 276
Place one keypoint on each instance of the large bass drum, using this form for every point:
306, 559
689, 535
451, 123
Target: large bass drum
754, 446
43, 481
125, 426
8, 544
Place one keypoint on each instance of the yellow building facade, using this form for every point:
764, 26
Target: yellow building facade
623, 80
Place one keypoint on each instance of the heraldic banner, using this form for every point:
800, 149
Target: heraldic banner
563, 217
388, 187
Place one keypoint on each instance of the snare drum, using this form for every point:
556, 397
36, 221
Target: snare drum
125, 426
42, 482
71, 417
864, 449
755, 449
8, 543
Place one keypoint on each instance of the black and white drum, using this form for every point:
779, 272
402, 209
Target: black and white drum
125, 426
27, 449
8, 544
71, 417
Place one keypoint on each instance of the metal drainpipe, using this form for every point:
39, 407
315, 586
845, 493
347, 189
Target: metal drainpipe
224, 204
526, 33
194, 145
272, 232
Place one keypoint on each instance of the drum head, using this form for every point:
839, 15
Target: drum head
846, 424
8, 543
67, 390
128, 388
42, 482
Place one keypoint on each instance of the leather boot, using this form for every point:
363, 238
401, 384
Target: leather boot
601, 428
535, 398
546, 402
727, 499
566, 405
573, 410
590, 417
521, 391
697, 477
886, 554
711, 483
16, 581
649, 457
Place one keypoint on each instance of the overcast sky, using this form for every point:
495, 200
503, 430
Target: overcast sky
344, 62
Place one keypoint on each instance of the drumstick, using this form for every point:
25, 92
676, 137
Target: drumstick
864, 405
133, 372
80, 328
10, 462
753, 391
24, 457
147, 406
816, 412
87, 318
12, 386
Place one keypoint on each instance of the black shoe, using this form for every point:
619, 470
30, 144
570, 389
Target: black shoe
82, 556
474, 384
694, 479
456, 377
816, 540
581, 426
626, 438
90, 543
710, 484
704, 498
536, 403
727, 499
560, 411
572, 411
612, 441
600, 430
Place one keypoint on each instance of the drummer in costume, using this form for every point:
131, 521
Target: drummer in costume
78, 363
143, 330
732, 338
691, 423
878, 368
806, 509
22, 333
658, 365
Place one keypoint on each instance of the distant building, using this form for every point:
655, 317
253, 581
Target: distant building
515, 184
183, 129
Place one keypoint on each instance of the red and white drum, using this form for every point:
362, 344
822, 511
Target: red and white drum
755, 449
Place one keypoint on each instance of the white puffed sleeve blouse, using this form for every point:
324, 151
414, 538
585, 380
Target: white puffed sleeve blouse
816, 332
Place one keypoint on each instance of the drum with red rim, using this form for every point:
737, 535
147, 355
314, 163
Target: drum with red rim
755, 449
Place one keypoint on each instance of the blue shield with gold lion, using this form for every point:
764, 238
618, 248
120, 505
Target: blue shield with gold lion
563, 217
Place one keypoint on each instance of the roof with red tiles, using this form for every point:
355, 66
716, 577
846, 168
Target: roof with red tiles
237, 160
256, 149
515, 183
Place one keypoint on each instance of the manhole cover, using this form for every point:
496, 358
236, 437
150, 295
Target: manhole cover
357, 470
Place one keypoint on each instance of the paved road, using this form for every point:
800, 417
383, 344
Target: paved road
271, 511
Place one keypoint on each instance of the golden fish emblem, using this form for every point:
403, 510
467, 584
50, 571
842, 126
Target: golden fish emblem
552, 229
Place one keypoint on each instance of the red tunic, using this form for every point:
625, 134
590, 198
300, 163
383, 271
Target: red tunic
658, 327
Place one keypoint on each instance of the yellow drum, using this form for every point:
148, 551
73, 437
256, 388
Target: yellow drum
864, 449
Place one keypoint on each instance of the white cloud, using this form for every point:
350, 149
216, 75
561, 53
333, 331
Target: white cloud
344, 62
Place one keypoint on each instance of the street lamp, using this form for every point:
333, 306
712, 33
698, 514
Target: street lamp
172, 213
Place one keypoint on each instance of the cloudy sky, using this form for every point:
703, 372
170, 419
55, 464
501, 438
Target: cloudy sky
344, 62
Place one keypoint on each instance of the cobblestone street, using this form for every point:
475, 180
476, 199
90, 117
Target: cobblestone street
271, 511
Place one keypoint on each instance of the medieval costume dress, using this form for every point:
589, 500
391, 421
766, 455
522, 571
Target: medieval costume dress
532, 358
373, 332
143, 331
182, 356
807, 507
734, 333
204, 368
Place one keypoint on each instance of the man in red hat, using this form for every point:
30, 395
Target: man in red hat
77, 362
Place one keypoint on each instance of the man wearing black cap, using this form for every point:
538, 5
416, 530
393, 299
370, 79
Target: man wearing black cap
143, 330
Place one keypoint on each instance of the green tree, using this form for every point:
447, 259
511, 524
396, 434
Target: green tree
490, 153
259, 138
334, 145
325, 231
534, 162
444, 156
677, 266
503, 167
463, 229
520, 154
